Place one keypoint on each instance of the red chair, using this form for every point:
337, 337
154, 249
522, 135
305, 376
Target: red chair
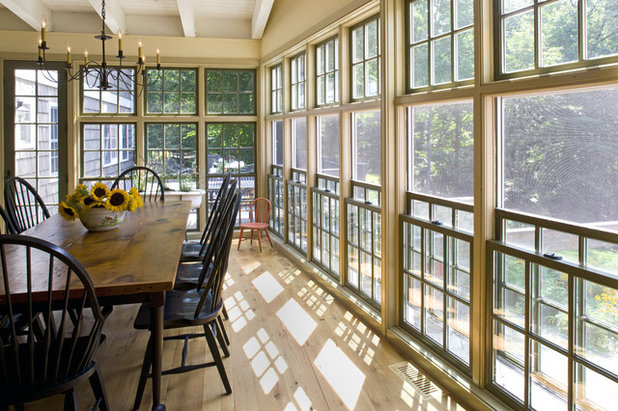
262, 207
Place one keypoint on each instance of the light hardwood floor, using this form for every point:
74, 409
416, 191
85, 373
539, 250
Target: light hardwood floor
293, 347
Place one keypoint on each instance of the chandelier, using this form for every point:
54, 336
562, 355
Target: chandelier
98, 74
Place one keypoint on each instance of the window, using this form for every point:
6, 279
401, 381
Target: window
276, 89
102, 145
299, 143
366, 59
326, 224
440, 42
441, 149
53, 141
366, 146
119, 98
230, 92
171, 151
171, 91
328, 145
231, 149
327, 71
538, 35
298, 81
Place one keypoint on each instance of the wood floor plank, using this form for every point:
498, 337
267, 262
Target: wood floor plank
293, 347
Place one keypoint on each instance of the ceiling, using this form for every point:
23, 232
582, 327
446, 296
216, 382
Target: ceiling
244, 19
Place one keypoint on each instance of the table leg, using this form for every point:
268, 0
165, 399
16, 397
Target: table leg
156, 312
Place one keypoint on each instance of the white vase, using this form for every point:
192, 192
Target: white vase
101, 219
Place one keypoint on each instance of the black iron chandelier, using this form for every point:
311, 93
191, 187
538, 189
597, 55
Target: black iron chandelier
98, 74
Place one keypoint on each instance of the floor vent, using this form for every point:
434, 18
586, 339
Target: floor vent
416, 379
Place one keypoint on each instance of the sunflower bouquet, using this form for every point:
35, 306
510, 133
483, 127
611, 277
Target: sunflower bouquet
99, 196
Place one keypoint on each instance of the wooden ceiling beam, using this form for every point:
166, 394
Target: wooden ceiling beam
32, 12
186, 9
260, 17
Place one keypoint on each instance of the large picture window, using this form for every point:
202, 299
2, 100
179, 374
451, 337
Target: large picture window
440, 42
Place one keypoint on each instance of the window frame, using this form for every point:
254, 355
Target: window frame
223, 93
133, 91
146, 92
276, 90
295, 87
364, 61
336, 71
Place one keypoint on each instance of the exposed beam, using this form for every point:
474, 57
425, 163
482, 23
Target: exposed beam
186, 9
115, 19
31, 12
260, 17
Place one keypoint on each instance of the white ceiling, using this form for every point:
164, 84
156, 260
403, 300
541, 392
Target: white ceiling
186, 18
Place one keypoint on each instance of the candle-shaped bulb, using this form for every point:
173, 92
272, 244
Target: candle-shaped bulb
158, 57
139, 50
43, 30
86, 57
119, 41
69, 56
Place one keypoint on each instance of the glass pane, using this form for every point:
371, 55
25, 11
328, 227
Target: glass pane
299, 143
464, 43
187, 103
560, 243
358, 45
558, 33
418, 27
441, 58
464, 11
512, 5
594, 391
171, 80
434, 314
549, 378
372, 78
509, 353
366, 156
549, 315
440, 17
187, 80
520, 234
518, 42
358, 81
458, 330
372, 39
412, 310
602, 256
601, 35
171, 103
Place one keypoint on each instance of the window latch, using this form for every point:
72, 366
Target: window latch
553, 256
436, 222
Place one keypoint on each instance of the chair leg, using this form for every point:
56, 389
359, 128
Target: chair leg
212, 344
70, 401
260, 239
268, 235
143, 377
96, 383
225, 316
240, 237
251, 237
222, 342
220, 321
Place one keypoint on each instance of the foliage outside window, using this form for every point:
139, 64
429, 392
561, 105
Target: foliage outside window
108, 149
327, 71
231, 149
328, 144
277, 140
365, 70
559, 156
538, 35
276, 89
298, 81
171, 151
299, 143
440, 42
366, 155
441, 147
230, 92
171, 91
117, 99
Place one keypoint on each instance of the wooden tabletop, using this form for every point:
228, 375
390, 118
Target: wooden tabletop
139, 257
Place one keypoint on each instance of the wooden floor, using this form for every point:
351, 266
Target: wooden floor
292, 348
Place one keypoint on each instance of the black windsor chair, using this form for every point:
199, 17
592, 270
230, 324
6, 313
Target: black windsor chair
24, 205
146, 180
200, 306
43, 352
10, 228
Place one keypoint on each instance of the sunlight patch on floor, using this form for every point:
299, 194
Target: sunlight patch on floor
238, 310
267, 286
297, 321
342, 374
265, 359
248, 268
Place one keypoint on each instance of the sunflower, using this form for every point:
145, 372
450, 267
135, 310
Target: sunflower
87, 202
132, 204
118, 200
140, 202
133, 192
67, 211
99, 191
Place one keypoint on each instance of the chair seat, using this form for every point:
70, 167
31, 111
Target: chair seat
191, 251
179, 310
188, 275
254, 226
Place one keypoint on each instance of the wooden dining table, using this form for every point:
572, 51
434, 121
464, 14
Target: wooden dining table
135, 263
